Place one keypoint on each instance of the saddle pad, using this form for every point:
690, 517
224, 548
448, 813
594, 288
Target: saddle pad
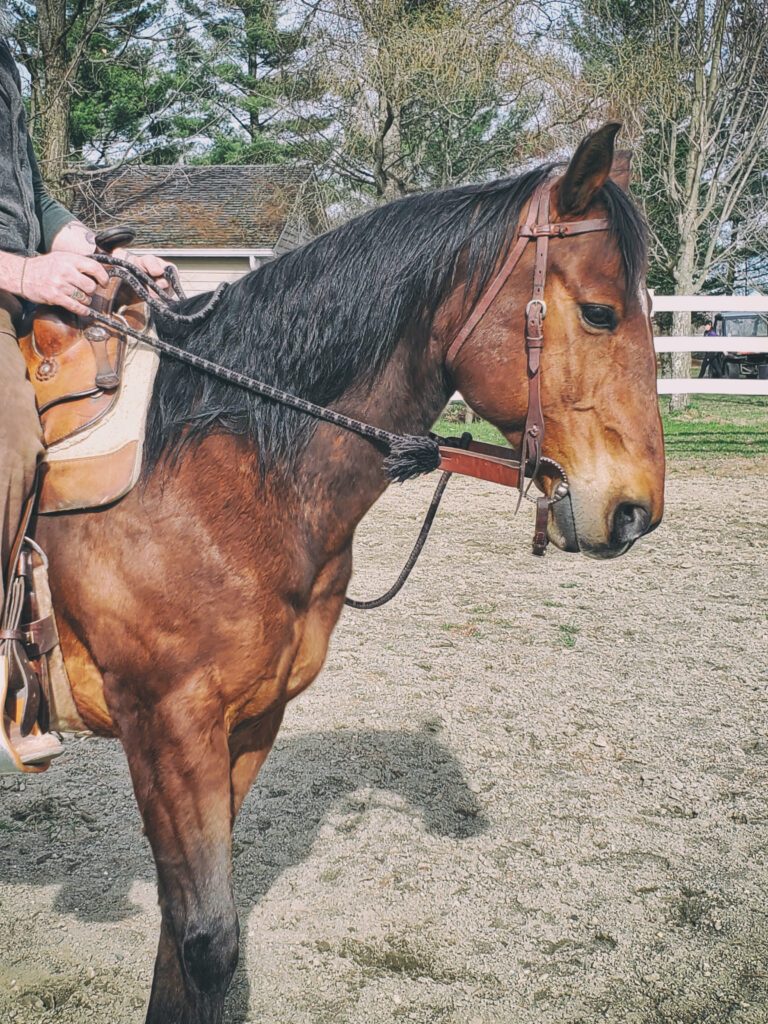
102, 463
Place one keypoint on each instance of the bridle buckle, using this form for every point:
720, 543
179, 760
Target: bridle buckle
536, 302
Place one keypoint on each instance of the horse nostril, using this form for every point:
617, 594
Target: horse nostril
630, 521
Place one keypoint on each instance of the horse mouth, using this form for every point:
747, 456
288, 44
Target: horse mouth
565, 535
604, 551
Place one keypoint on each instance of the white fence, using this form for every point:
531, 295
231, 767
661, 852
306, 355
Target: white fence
697, 343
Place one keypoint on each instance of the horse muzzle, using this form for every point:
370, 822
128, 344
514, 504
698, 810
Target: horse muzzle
626, 523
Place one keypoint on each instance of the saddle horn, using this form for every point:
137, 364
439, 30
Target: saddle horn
114, 238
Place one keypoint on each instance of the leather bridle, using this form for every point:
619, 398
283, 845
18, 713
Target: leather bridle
531, 459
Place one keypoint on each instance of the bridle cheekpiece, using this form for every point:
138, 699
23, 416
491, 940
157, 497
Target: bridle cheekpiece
530, 460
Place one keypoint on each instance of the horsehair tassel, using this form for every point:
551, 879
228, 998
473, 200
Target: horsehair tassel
410, 456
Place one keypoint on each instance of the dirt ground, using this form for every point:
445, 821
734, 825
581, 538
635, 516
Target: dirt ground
528, 792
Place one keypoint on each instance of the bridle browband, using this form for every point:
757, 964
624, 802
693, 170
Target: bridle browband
411, 455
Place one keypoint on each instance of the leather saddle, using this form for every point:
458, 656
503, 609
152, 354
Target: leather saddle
75, 365
76, 368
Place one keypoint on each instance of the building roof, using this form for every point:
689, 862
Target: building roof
214, 206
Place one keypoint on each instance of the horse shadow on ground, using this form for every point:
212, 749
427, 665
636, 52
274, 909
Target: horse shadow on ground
56, 832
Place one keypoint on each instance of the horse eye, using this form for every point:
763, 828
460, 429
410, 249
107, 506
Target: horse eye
603, 317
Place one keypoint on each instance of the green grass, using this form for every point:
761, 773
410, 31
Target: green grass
718, 425
712, 425
567, 635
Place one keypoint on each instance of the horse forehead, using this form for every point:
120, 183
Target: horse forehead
593, 255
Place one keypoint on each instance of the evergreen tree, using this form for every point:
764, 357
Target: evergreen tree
258, 70
112, 80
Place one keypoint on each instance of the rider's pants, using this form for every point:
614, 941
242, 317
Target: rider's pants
20, 437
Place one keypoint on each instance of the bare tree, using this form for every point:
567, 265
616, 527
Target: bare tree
689, 79
419, 92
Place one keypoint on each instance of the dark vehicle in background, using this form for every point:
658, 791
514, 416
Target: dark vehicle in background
737, 364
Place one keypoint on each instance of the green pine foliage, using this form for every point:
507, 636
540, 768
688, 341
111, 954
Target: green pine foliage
255, 58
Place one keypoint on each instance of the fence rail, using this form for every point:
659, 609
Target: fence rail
697, 343
710, 303
705, 386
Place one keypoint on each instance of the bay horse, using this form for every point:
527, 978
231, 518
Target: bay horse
193, 610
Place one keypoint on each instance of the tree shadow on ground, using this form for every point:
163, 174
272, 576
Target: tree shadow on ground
56, 832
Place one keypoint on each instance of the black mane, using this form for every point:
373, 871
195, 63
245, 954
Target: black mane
328, 317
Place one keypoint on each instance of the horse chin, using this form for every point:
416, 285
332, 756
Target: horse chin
603, 551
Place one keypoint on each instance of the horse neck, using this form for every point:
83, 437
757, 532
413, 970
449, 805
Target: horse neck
340, 475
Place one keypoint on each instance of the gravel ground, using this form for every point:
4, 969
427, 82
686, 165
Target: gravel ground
528, 792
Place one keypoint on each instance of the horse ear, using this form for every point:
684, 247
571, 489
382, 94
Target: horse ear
621, 168
588, 171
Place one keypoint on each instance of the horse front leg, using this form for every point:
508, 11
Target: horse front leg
180, 765
249, 746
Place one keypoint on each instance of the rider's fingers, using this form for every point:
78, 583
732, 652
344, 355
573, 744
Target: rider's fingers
154, 266
93, 269
150, 264
85, 284
73, 305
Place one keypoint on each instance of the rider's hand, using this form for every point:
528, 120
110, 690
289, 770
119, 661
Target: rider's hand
63, 279
151, 265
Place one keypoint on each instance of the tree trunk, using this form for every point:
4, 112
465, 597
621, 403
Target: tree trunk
56, 93
680, 362
387, 152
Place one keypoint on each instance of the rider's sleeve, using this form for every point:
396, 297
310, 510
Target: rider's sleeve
52, 215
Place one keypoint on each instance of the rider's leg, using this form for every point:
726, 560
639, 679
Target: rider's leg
20, 449
20, 436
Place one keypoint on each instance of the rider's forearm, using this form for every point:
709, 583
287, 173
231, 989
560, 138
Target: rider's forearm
51, 214
12, 272
74, 237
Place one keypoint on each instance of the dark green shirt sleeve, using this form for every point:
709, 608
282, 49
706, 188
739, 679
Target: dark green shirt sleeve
52, 215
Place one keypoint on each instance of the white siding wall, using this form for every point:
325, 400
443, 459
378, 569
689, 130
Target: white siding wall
204, 273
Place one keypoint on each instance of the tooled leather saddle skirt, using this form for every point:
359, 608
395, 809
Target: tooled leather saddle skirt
93, 384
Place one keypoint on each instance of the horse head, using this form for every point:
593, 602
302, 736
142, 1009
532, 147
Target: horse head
597, 364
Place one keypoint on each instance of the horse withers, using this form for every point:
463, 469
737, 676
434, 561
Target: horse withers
193, 610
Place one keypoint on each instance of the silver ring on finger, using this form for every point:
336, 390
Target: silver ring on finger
79, 296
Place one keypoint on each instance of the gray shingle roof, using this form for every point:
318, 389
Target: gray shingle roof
217, 206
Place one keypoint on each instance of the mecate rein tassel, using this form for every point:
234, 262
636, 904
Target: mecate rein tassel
411, 456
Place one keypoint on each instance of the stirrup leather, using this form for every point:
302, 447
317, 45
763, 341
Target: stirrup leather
25, 743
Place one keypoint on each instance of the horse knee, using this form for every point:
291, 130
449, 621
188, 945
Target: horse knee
210, 952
